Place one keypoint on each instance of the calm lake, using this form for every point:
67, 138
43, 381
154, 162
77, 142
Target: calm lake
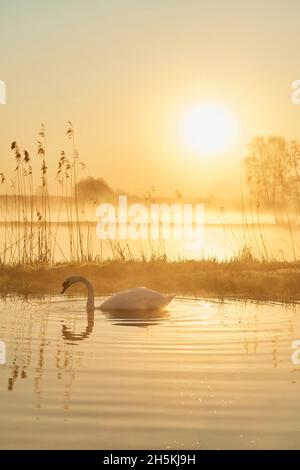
204, 375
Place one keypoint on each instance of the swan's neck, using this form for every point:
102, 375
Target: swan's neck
90, 305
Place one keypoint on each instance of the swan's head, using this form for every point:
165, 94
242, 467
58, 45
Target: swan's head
69, 281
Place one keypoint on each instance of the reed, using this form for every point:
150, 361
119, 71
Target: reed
32, 235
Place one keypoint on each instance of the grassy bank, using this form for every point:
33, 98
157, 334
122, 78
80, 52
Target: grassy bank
253, 280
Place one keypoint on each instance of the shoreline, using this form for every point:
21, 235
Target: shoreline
269, 281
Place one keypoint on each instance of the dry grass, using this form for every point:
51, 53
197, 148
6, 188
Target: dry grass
261, 281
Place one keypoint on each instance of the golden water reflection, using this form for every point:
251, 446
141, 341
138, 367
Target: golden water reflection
217, 369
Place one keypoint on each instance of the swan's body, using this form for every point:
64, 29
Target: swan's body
138, 298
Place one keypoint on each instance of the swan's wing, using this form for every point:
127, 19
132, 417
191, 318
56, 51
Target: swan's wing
139, 298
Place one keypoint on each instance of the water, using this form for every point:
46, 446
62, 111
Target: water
224, 236
204, 375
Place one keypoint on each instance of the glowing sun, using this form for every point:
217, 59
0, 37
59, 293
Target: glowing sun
208, 129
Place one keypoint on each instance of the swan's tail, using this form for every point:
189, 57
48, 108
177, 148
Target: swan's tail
169, 298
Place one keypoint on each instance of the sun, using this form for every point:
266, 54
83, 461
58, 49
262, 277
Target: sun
208, 129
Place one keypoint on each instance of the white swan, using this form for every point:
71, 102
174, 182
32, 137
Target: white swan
139, 298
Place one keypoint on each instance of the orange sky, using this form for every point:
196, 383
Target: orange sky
125, 71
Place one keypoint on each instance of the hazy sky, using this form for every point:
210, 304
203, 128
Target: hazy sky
125, 71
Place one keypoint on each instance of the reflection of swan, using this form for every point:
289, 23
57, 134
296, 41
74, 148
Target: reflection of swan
70, 336
138, 298
139, 318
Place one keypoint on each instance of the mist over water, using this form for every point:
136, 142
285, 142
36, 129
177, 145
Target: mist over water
224, 237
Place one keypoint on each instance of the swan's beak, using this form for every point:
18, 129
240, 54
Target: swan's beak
63, 289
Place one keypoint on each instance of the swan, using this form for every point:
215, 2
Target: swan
138, 298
